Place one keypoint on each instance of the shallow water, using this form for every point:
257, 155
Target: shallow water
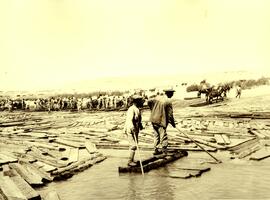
232, 179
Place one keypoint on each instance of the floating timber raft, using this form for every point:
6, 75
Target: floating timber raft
153, 162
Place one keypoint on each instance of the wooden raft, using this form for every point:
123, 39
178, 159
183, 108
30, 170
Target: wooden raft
153, 162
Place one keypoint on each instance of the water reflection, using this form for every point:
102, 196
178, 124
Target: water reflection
228, 180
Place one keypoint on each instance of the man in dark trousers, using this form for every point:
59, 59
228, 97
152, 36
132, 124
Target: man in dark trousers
161, 116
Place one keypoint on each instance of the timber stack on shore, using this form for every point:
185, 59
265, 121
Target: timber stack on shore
34, 153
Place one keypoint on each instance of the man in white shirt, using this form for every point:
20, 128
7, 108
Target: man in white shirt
133, 126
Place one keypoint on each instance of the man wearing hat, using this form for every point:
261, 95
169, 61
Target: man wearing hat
161, 116
133, 125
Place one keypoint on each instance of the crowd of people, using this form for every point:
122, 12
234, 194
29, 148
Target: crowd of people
101, 102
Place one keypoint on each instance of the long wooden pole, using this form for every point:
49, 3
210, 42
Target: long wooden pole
139, 155
219, 161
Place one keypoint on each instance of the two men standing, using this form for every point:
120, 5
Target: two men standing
161, 116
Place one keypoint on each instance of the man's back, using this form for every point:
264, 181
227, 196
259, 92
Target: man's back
159, 114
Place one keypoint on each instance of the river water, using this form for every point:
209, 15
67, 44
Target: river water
232, 179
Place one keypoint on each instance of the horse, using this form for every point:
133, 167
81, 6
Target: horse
215, 93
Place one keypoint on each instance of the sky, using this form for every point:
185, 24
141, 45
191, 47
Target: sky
48, 43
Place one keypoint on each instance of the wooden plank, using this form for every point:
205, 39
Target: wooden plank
45, 177
152, 163
24, 187
10, 190
266, 133
184, 174
8, 124
210, 144
74, 165
245, 144
88, 164
46, 167
91, 148
249, 151
226, 139
194, 167
257, 133
44, 145
64, 155
69, 143
4, 159
36, 153
33, 135
219, 139
28, 175
52, 195
260, 155
74, 155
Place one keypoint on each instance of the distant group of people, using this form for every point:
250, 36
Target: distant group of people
161, 115
101, 102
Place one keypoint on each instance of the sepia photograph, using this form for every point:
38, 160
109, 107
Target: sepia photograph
134, 100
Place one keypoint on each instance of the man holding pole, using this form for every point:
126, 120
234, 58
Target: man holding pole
133, 125
161, 115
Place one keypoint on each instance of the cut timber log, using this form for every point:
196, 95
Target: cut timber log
10, 190
187, 173
243, 145
36, 153
209, 144
44, 166
52, 196
23, 186
28, 175
184, 174
45, 177
89, 163
226, 139
7, 124
44, 145
4, 159
153, 162
247, 152
257, 133
65, 154
73, 165
91, 148
74, 155
69, 143
260, 155
219, 139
